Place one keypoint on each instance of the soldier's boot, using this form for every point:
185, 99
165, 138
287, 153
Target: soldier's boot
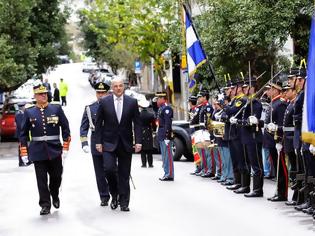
306, 204
257, 187
237, 182
245, 184
310, 210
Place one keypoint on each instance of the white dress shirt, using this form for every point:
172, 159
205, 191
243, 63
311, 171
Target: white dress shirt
121, 103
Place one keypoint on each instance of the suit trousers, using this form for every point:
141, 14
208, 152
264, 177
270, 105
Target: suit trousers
53, 168
118, 162
101, 180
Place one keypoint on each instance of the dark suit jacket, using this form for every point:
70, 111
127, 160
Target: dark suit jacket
107, 129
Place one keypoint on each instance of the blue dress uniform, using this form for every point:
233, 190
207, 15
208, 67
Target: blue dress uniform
45, 148
270, 139
236, 147
288, 135
207, 161
88, 123
251, 138
165, 117
18, 121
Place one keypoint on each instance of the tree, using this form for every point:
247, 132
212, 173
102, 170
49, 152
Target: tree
138, 28
234, 32
31, 31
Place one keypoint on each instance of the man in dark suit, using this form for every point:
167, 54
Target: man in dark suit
114, 138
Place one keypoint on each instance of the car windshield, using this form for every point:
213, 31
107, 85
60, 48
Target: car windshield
10, 109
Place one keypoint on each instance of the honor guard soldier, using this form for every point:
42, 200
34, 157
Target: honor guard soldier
205, 115
44, 122
227, 176
302, 149
194, 111
288, 134
251, 138
241, 182
165, 117
274, 119
88, 123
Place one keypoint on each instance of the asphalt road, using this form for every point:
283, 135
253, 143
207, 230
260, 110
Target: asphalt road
188, 206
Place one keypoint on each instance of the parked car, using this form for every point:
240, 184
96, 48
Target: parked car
7, 120
63, 59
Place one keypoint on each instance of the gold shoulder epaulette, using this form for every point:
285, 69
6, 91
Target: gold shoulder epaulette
29, 105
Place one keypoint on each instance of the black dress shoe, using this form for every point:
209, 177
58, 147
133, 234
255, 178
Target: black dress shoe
305, 205
269, 198
56, 203
44, 211
290, 203
166, 179
278, 199
309, 210
151, 166
242, 190
114, 203
124, 208
143, 166
254, 194
227, 183
234, 187
215, 178
104, 202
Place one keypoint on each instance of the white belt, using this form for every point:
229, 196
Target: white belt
288, 129
46, 138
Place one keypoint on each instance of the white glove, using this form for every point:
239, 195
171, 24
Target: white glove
25, 159
312, 149
167, 141
220, 96
233, 120
272, 127
217, 116
279, 147
253, 120
86, 149
64, 154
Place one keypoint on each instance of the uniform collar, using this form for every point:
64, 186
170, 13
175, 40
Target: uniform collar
239, 96
42, 106
276, 98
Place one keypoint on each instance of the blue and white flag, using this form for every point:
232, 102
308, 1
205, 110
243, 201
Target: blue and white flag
308, 124
195, 53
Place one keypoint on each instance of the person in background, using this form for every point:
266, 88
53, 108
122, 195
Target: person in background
56, 97
147, 118
47, 85
63, 88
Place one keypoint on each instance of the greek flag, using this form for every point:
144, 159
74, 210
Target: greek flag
308, 124
195, 54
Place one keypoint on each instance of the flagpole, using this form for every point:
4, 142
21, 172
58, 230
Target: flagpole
208, 62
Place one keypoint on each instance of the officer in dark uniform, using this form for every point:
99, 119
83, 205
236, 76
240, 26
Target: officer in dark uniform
147, 118
241, 177
88, 123
306, 159
194, 111
206, 112
288, 134
44, 121
271, 140
251, 138
165, 117
227, 166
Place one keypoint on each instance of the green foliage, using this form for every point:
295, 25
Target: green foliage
119, 32
234, 32
31, 31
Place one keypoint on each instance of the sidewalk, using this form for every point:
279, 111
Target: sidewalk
8, 149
